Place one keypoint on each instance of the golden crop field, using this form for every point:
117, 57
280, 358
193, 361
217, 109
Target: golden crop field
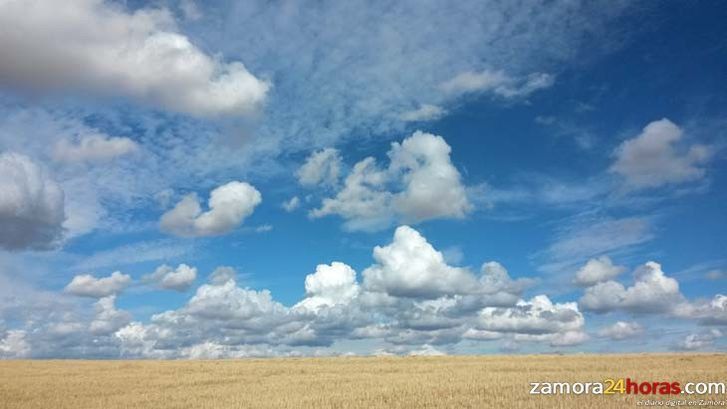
366, 382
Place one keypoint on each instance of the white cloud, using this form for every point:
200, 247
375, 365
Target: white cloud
350, 69
168, 278
654, 157
597, 270
431, 187
497, 83
426, 350
335, 307
569, 338
363, 202
86, 285
652, 292
700, 340
330, 285
537, 316
108, 319
31, 205
709, 312
292, 204
320, 168
621, 330
229, 205
411, 267
495, 280
230, 302
93, 148
98, 47
14, 345
425, 112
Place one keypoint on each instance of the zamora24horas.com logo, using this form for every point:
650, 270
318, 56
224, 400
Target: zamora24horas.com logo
627, 386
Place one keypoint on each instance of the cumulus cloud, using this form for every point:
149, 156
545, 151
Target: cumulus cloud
224, 319
230, 302
498, 83
31, 205
597, 270
537, 316
321, 167
655, 158
652, 292
425, 112
98, 47
86, 285
93, 148
14, 345
362, 201
330, 285
229, 205
169, 278
621, 330
709, 312
108, 319
700, 340
431, 187
411, 267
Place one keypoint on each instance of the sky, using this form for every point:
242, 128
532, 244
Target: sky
183, 179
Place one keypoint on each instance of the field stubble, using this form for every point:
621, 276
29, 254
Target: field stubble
411, 382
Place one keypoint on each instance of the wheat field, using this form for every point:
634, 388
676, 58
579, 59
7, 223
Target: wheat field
366, 382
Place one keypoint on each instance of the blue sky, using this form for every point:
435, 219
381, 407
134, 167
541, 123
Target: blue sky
188, 179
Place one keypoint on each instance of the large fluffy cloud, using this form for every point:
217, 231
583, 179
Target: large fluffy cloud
420, 183
99, 47
408, 299
537, 316
86, 285
411, 267
229, 205
436, 308
654, 157
652, 291
31, 205
433, 185
330, 285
